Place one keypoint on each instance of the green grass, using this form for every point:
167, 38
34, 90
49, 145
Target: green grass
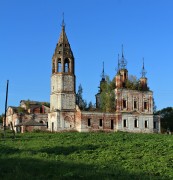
73, 155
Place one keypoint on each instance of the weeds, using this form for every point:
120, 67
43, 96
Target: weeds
72, 155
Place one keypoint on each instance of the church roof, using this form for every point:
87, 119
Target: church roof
63, 37
63, 48
31, 122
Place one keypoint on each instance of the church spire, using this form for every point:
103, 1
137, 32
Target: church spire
123, 61
63, 23
63, 37
143, 72
122, 51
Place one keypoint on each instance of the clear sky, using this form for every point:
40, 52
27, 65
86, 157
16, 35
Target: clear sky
96, 29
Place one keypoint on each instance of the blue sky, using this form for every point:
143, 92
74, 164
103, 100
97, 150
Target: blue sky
96, 29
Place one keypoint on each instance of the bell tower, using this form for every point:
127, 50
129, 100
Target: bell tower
63, 95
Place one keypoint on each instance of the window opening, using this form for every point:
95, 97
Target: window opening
135, 104
136, 123
59, 65
145, 105
89, 122
124, 123
112, 124
155, 125
101, 122
124, 103
66, 66
125, 75
146, 124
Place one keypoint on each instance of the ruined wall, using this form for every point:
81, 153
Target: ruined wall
91, 121
11, 116
41, 118
78, 116
53, 121
61, 121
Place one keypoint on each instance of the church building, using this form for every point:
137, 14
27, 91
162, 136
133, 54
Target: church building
133, 106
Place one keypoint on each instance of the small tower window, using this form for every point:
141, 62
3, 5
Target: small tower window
66, 66
59, 65
125, 76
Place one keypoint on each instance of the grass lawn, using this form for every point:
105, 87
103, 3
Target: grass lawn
73, 155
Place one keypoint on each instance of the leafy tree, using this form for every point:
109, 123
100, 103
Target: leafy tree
47, 104
79, 98
154, 107
134, 84
107, 96
21, 110
90, 106
1, 118
166, 117
27, 104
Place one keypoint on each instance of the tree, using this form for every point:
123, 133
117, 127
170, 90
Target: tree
47, 104
90, 106
27, 104
21, 110
79, 98
154, 106
107, 96
166, 117
134, 84
1, 118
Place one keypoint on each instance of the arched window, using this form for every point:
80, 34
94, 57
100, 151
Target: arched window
66, 66
59, 65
